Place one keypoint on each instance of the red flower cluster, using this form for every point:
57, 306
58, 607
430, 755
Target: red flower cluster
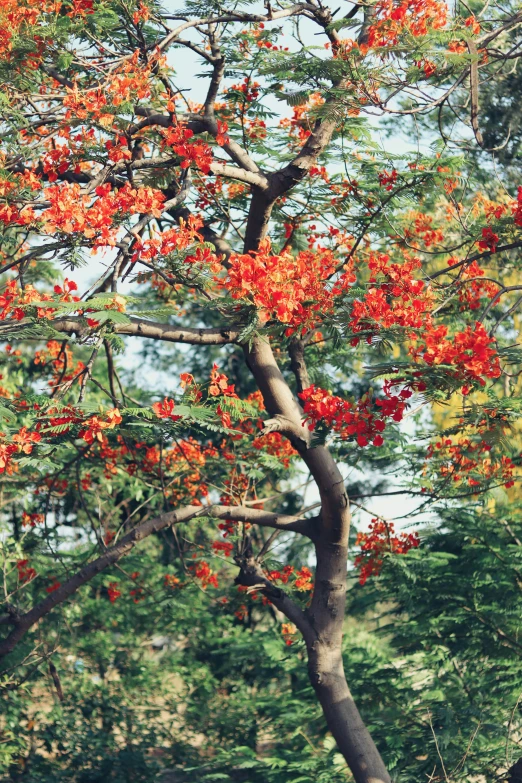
248, 88
228, 527
288, 630
276, 445
387, 179
363, 419
13, 299
54, 586
380, 539
413, 16
227, 547
22, 442
219, 385
469, 352
170, 241
32, 519
113, 592
291, 289
95, 427
423, 227
204, 574
71, 212
473, 290
171, 581
489, 240
455, 459
178, 137
473, 24
303, 577
187, 458
517, 210
399, 300
281, 576
301, 123
130, 80
25, 572
303, 581
17, 18
165, 410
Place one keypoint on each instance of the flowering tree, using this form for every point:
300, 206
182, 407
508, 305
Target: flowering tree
270, 228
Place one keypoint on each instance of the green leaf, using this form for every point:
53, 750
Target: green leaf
7, 415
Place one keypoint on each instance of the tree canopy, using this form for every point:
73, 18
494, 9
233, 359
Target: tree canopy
260, 272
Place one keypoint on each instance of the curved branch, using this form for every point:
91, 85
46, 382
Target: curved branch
154, 330
199, 123
237, 16
232, 172
476, 257
23, 622
252, 575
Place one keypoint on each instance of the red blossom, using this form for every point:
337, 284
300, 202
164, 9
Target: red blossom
387, 179
32, 519
489, 240
204, 574
171, 581
470, 352
381, 539
113, 592
291, 289
226, 547
95, 427
165, 409
288, 630
362, 420
25, 572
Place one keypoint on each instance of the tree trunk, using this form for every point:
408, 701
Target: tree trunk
353, 739
325, 618
325, 663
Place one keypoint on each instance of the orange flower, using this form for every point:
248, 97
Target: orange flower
292, 290
25, 573
469, 352
198, 152
204, 574
219, 384
226, 547
165, 409
472, 23
171, 581
25, 440
54, 586
95, 427
32, 519
288, 630
303, 581
186, 379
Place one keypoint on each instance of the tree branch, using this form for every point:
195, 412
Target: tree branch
252, 575
23, 622
243, 175
477, 257
237, 16
154, 330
